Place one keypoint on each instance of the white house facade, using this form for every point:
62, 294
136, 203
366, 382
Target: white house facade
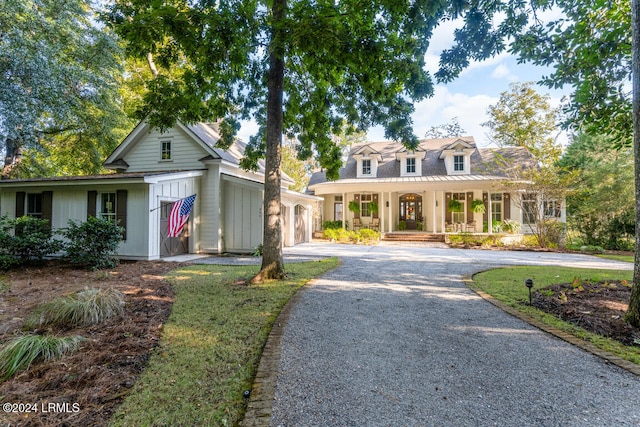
412, 189
153, 170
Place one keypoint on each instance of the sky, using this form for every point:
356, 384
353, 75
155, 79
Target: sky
467, 97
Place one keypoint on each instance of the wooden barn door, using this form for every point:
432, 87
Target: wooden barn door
171, 246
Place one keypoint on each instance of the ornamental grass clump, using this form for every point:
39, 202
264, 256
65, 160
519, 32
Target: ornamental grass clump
88, 307
18, 354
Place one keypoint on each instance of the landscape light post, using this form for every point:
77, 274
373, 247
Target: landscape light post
529, 284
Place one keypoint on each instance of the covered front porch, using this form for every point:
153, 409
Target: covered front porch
425, 210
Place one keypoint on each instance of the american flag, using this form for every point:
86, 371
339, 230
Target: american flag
179, 215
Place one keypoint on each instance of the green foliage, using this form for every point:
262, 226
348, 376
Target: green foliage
454, 206
24, 240
446, 130
419, 226
367, 235
59, 99
373, 208
477, 206
327, 225
92, 244
88, 307
339, 235
402, 225
354, 206
19, 353
601, 209
589, 49
524, 118
258, 250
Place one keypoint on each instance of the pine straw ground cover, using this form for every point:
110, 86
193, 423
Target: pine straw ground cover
190, 343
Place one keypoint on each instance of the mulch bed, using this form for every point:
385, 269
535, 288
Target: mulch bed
597, 307
95, 380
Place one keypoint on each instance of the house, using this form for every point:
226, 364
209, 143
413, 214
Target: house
154, 169
413, 189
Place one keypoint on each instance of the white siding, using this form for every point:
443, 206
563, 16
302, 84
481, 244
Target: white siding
145, 155
242, 217
210, 207
170, 191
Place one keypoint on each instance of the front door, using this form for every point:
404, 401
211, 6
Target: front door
171, 246
410, 210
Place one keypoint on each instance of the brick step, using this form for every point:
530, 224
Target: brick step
413, 237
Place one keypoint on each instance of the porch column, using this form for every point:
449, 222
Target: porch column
489, 213
344, 208
443, 207
381, 210
390, 212
435, 215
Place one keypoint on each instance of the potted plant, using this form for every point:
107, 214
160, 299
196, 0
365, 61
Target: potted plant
454, 206
354, 206
477, 206
373, 208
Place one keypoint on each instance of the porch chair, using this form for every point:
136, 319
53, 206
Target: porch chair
471, 226
448, 227
375, 224
356, 224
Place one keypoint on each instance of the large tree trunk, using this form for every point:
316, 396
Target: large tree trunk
272, 263
633, 314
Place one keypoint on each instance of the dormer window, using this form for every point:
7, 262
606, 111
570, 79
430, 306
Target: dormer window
458, 163
411, 165
366, 167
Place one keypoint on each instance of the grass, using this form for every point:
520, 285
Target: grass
625, 258
19, 353
211, 345
507, 285
87, 307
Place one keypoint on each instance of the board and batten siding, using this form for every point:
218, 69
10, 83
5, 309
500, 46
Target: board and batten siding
210, 232
171, 191
242, 209
145, 155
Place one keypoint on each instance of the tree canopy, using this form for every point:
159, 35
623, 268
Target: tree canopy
59, 85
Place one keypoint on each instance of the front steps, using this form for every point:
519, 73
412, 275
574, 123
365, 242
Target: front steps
408, 236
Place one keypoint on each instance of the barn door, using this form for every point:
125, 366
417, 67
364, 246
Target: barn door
300, 225
170, 246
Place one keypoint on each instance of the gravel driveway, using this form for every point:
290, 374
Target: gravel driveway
393, 338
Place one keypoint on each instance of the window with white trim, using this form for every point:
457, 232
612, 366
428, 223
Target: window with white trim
552, 209
458, 163
496, 207
108, 207
366, 166
365, 200
529, 201
411, 165
165, 150
34, 205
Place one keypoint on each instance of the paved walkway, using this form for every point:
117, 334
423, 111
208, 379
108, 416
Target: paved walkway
393, 338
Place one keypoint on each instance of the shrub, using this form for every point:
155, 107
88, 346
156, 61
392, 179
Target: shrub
510, 226
339, 235
332, 225
402, 225
19, 353
24, 240
368, 235
92, 244
88, 307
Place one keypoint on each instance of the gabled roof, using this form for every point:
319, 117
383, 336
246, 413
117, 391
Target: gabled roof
487, 162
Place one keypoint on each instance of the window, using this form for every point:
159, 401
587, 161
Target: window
529, 208
496, 207
411, 165
337, 211
458, 163
459, 217
165, 150
366, 167
365, 200
34, 205
108, 206
552, 209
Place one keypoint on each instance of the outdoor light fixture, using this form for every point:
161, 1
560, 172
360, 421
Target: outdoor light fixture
529, 284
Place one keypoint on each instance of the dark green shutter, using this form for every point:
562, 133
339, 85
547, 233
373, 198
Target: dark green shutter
20, 198
447, 215
506, 206
47, 207
92, 198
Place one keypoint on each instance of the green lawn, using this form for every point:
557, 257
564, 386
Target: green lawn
211, 345
507, 285
625, 258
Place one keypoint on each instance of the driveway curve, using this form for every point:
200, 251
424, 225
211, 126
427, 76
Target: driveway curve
393, 338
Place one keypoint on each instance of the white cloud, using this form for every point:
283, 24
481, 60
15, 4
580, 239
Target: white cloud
503, 72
